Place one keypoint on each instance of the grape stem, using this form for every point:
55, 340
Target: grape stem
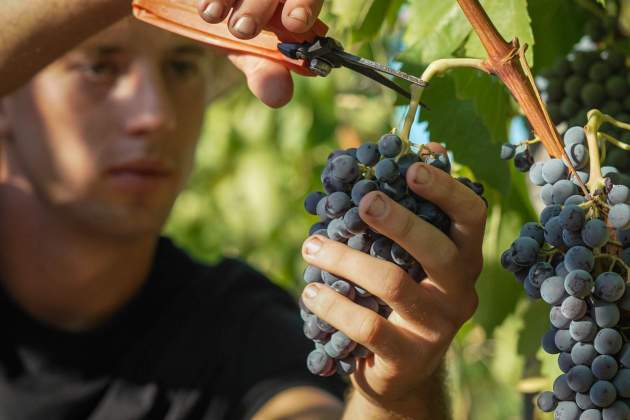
595, 120
596, 180
530, 142
436, 68
610, 139
508, 62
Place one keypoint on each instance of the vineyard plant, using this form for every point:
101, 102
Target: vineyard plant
532, 100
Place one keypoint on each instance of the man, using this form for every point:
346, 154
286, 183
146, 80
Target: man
103, 319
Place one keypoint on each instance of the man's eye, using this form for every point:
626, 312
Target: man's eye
183, 69
101, 72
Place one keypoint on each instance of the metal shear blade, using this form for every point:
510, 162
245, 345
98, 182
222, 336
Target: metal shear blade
326, 53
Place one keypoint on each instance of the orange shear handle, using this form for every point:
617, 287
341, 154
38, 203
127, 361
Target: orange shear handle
181, 17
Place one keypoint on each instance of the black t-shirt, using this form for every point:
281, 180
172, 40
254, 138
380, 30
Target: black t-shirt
197, 342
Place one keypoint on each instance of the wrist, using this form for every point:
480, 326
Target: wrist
428, 402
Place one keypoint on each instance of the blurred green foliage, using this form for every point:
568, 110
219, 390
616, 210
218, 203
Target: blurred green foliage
255, 165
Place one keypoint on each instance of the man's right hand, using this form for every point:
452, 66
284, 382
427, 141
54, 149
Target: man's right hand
269, 81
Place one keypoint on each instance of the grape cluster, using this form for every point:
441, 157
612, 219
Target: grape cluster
587, 80
603, 28
348, 176
567, 261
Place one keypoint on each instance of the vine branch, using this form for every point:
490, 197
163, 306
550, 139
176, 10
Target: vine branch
507, 61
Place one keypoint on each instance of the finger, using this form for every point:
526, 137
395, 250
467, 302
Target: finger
214, 11
361, 324
465, 209
299, 15
269, 81
250, 16
379, 277
437, 253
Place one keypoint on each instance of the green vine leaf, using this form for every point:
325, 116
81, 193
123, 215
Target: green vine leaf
456, 123
435, 30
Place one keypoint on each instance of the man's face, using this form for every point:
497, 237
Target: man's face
104, 138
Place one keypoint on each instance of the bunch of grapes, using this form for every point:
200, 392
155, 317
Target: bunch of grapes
577, 260
348, 176
587, 80
603, 28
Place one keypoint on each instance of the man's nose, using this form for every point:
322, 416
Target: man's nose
150, 108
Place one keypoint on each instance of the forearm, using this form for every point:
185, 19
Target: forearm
37, 32
431, 403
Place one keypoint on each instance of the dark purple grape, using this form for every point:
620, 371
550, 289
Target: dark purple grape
572, 217
318, 228
344, 288
603, 393
319, 363
578, 283
440, 161
610, 286
405, 162
580, 378
353, 221
416, 272
345, 169
396, 189
546, 401
311, 200
400, 256
540, 272
548, 342
561, 389
390, 145
549, 212
409, 203
330, 278
507, 151
583, 329
362, 188
312, 274
604, 367
523, 161
579, 258
346, 366
535, 231
595, 233
583, 354
368, 302
337, 204
387, 170
565, 362
608, 341
368, 154
361, 242
622, 383
382, 249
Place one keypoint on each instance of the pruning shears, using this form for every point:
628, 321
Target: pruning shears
308, 54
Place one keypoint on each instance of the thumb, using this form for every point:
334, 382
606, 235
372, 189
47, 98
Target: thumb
269, 81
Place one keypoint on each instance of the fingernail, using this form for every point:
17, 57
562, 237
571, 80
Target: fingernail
311, 291
313, 246
422, 175
300, 13
377, 207
214, 10
245, 26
